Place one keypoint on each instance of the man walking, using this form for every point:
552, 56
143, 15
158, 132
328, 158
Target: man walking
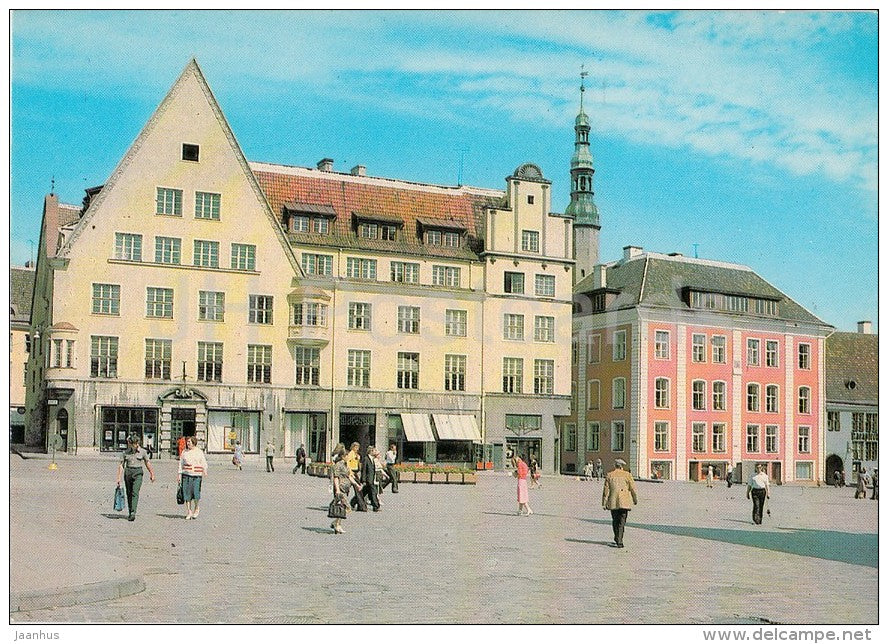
368, 477
391, 457
269, 456
729, 475
875, 496
300, 458
758, 489
618, 496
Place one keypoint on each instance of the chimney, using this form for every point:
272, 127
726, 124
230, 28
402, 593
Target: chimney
865, 327
359, 171
599, 276
631, 251
325, 165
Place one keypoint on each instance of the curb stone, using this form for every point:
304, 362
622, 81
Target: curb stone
73, 595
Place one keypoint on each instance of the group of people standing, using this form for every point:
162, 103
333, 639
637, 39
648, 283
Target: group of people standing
364, 474
863, 480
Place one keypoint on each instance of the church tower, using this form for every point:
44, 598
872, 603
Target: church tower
587, 227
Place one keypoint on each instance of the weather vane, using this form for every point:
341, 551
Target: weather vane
583, 74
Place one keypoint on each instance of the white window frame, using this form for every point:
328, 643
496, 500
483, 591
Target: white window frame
454, 372
804, 406
360, 268
167, 250
168, 202
513, 326
206, 253
593, 402
661, 436
619, 348
753, 352
210, 361
404, 272
446, 276
211, 306
698, 438
661, 344
243, 256
772, 402
804, 357
128, 247
358, 370
662, 395
544, 285
512, 281
543, 377
158, 359
719, 395
408, 319
719, 349
317, 263
360, 316
593, 348
105, 299
698, 395
593, 436
698, 347
772, 439
408, 370
159, 302
621, 434
530, 241
753, 443
753, 397
543, 328
207, 205
618, 393
772, 353
718, 437
513, 375
261, 309
456, 322
259, 364
307, 366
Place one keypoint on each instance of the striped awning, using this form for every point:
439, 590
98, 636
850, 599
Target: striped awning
457, 427
418, 428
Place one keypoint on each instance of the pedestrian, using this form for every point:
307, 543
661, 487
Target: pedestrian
238, 458
180, 445
729, 475
130, 469
599, 470
862, 480
875, 496
758, 489
368, 482
300, 458
269, 456
353, 461
843, 483
192, 471
391, 457
709, 474
521, 470
341, 477
588, 471
535, 474
618, 496
837, 478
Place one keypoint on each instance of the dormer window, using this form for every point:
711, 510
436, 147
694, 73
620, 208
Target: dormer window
301, 224
190, 152
442, 238
308, 218
372, 226
368, 230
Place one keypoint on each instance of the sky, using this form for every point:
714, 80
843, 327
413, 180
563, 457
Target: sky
743, 136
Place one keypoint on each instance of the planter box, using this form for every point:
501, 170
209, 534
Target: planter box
405, 477
423, 477
470, 478
439, 477
455, 477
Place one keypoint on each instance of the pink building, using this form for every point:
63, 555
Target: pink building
681, 364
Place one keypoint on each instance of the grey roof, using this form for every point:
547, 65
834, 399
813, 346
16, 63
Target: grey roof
663, 278
21, 291
852, 357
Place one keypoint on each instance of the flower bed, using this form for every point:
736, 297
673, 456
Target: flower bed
414, 473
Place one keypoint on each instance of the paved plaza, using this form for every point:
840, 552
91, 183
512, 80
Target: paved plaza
262, 552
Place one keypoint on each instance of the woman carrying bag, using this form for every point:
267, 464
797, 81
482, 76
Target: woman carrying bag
130, 470
192, 470
342, 481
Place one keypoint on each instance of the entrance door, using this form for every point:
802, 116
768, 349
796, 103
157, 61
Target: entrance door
524, 447
357, 428
834, 465
184, 423
776, 473
62, 426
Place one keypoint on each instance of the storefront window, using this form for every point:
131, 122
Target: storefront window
224, 427
119, 422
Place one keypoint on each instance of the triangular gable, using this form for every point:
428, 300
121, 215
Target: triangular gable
192, 69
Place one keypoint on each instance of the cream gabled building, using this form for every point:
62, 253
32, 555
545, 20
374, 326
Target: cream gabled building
302, 305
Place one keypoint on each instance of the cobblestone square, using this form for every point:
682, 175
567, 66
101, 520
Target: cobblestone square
262, 552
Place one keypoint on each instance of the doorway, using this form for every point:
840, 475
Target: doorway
357, 428
834, 465
524, 447
184, 423
62, 428
776, 473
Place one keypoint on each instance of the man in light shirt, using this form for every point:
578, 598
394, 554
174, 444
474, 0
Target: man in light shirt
758, 489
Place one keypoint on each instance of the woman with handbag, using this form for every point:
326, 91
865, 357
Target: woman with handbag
130, 469
342, 481
521, 471
192, 470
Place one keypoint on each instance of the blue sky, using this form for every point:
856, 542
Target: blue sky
751, 134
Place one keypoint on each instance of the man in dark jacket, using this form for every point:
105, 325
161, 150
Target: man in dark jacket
368, 479
300, 459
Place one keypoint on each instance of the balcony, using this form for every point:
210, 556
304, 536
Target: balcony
315, 336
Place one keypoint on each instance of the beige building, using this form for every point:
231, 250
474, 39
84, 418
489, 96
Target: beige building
21, 287
196, 293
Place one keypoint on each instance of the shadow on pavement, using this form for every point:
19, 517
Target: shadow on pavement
594, 543
109, 515
318, 530
181, 517
317, 507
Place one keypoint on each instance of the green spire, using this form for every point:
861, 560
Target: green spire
582, 205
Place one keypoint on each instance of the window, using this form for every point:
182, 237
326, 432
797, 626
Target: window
804, 356
455, 322
62, 354
243, 257
661, 436
388, 232
209, 361
698, 347
103, 357
106, 300
28, 342
698, 437
408, 319
618, 398
206, 253
120, 422
309, 314
408, 370
128, 247
190, 152
833, 422
717, 342
804, 471
442, 238
543, 328
359, 268
771, 439
366, 230
513, 326
661, 345
320, 225
718, 437
258, 363
530, 200
593, 394
544, 285
718, 395
159, 303
404, 272
513, 374
513, 282
167, 250
864, 436
771, 353
574, 350
752, 397
804, 400
752, 352
530, 241
211, 306
158, 359
307, 361
261, 309
314, 264
358, 374
543, 377
772, 393
661, 393
169, 201
359, 316
570, 437
445, 276
206, 205
454, 373
593, 436
618, 436
619, 346
300, 223
593, 348
698, 395
752, 438
433, 237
